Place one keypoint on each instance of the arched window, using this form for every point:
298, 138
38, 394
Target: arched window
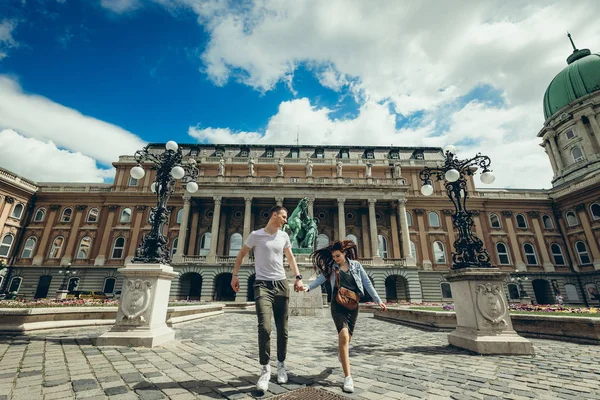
40, 214
513, 291
521, 221
446, 290
72, 285
577, 154
322, 241
582, 253
109, 285
174, 246
571, 218
439, 254
353, 238
235, 244
17, 211
66, 215
571, 291
503, 256
6, 244
408, 219
132, 181
413, 250
530, 254
93, 215
383, 246
15, 284
28, 248
557, 253
205, 244
125, 216
434, 219
548, 224
495, 221
83, 252
595, 211
179, 216
118, 247
56, 247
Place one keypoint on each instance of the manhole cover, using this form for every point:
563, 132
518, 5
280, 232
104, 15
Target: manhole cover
309, 393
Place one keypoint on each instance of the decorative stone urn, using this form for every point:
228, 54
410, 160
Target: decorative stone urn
482, 315
142, 313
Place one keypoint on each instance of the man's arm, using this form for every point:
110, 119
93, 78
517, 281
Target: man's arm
298, 285
235, 282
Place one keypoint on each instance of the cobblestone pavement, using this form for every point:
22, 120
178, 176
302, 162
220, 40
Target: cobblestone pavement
217, 358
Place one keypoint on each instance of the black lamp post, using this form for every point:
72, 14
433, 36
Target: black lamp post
67, 272
470, 252
169, 168
519, 280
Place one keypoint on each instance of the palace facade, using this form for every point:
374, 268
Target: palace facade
549, 239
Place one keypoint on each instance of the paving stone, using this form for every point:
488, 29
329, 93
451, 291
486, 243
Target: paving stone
116, 390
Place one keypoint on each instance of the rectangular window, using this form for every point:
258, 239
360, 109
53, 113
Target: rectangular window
344, 154
132, 181
320, 153
270, 153
295, 153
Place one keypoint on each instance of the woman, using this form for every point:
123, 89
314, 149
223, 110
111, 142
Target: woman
340, 258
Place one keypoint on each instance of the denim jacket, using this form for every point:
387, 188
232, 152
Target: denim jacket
360, 276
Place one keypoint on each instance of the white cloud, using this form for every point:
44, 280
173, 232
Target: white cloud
43, 161
6, 39
121, 6
41, 118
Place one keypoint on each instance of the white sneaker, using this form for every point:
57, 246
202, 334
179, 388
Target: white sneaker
348, 385
281, 374
265, 377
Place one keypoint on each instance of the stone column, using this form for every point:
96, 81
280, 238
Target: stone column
550, 155
405, 234
514, 243
451, 235
341, 218
364, 223
373, 231
395, 253
595, 126
183, 228
133, 242
68, 254
589, 235
193, 231
557, 155
247, 217
279, 201
40, 252
586, 144
311, 207
427, 264
537, 228
101, 257
214, 232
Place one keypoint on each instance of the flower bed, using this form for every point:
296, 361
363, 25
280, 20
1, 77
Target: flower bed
81, 303
530, 309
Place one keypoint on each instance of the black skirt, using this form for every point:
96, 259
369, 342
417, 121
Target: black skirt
342, 317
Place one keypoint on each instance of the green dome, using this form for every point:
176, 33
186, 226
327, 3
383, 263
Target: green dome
581, 77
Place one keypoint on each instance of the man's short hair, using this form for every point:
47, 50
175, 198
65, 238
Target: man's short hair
276, 209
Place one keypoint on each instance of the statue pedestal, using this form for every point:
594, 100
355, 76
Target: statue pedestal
302, 303
61, 294
142, 314
483, 323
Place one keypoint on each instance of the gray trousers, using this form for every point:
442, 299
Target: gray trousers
271, 299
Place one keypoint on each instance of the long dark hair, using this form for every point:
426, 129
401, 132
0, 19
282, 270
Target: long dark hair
323, 260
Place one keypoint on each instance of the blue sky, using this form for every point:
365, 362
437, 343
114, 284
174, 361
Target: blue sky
86, 81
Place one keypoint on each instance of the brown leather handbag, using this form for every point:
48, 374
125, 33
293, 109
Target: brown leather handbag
345, 297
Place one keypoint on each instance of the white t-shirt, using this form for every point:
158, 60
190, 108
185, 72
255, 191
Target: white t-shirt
268, 253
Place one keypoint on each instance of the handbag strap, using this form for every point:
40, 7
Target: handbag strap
337, 278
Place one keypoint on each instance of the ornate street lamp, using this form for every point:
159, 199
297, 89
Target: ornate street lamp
67, 272
169, 168
470, 252
519, 281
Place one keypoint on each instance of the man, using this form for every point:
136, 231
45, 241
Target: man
271, 292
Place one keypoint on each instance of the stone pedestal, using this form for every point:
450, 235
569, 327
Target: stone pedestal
525, 300
483, 323
142, 313
302, 303
61, 294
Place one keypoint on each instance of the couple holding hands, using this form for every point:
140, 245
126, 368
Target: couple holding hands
336, 263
